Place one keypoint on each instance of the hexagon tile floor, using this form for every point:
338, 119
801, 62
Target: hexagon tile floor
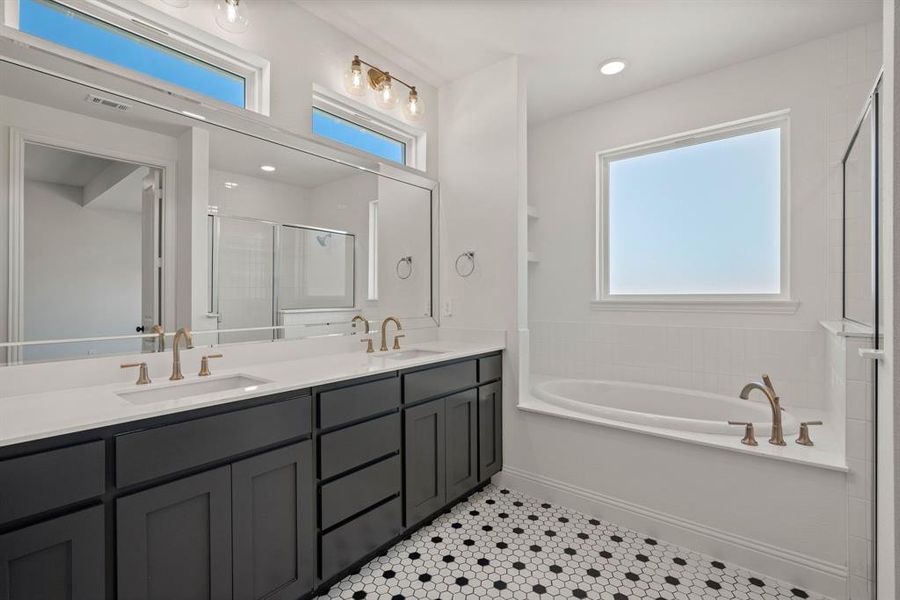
503, 544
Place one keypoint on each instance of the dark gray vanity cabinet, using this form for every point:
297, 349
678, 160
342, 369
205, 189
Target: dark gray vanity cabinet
59, 559
242, 531
452, 442
273, 524
490, 429
174, 540
425, 454
269, 498
461, 442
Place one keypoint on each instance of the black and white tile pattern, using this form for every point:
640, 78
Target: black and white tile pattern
503, 544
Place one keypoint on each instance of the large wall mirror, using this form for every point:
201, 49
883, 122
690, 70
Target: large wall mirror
127, 219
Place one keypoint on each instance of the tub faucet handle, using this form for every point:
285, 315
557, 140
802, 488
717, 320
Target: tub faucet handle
803, 439
749, 439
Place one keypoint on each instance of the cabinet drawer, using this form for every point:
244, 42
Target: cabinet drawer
354, 540
430, 383
350, 447
38, 482
346, 404
145, 455
490, 368
358, 491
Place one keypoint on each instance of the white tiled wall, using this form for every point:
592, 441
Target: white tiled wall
718, 360
850, 388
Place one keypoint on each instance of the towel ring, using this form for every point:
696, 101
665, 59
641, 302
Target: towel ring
404, 272
464, 271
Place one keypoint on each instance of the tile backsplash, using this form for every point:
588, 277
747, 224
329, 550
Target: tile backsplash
719, 360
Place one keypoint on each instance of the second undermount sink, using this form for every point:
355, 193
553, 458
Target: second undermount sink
412, 354
176, 391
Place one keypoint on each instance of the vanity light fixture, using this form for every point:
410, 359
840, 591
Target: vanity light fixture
613, 66
267, 168
231, 15
384, 84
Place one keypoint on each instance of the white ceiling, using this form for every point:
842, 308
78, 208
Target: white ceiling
562, 42
53, 165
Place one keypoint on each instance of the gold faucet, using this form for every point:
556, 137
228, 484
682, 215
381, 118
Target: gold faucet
185, 333
158, 330
384, 346
364, 320
777, 437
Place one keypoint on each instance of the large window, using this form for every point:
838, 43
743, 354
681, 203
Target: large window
696, 217
362, 138
175, 59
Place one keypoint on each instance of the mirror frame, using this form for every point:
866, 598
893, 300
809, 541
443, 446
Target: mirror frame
22, 50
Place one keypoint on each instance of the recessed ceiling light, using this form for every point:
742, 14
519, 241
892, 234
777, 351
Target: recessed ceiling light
267, 168
613, 66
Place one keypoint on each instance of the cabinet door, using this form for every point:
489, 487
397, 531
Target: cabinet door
60, 559
174, 540
461, 433
424, 452
490, 430
274, 524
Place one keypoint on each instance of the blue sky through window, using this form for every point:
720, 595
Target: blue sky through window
59, 24
700, 219
341, 130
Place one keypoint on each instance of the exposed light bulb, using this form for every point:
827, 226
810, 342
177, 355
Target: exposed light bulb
613, 66
354, 80
231, 15
386, 95
414, 107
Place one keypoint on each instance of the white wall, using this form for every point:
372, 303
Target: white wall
713, 352
304, 50
82, 272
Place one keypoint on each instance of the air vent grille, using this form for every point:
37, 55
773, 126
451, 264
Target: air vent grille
107, 102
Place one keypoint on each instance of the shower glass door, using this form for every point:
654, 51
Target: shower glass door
244, 274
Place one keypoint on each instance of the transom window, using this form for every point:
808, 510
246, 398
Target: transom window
110, 37
365, 139
699, 216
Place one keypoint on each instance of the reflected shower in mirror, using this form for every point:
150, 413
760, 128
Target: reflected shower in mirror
131, 218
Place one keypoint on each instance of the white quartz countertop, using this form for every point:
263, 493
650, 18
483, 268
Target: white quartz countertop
30, 417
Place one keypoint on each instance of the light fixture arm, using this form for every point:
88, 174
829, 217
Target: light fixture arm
382, 74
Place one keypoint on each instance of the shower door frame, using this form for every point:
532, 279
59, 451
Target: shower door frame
872, 107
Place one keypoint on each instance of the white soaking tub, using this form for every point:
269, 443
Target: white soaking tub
661, 407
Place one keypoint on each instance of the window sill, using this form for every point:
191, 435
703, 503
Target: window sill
771, 306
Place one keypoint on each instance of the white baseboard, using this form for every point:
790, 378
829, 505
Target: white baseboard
806, 572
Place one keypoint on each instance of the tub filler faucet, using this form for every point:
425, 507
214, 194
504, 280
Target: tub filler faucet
777, 437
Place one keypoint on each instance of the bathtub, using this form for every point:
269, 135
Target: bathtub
660, 407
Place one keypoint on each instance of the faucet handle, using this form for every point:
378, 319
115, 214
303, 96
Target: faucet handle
143, 377
204, 364
369, 348
803, 439
749, 439
767, 381
397, 337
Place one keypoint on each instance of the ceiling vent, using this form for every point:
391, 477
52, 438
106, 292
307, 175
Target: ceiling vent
107, 102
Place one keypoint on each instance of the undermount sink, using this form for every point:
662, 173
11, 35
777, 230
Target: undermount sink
176, 391
413, 353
